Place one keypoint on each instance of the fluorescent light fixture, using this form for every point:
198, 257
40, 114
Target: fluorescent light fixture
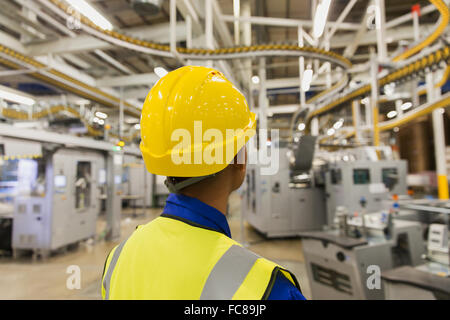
101, 115
338, 124
320, 18
255, 79
306, 79
389, 89
82, 101
160, 71
137, 126
301, 126
406, 106
331, 131
392, 114
92, 14
17, 98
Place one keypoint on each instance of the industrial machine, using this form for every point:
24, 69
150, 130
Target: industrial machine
428, 281
62, 209
288, 202
137, 182
342, 263
361, 179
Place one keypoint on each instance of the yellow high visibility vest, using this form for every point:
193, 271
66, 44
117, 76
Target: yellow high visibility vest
170, 258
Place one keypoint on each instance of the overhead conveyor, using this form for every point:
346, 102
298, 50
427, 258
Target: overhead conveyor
419, 65
414, 67
22, 115
240, 52
15, 60
420, 111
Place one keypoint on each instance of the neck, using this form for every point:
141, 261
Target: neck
218, 200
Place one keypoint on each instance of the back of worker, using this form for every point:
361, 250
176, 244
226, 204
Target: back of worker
170, 259
187, 252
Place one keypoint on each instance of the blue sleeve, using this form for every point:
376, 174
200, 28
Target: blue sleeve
283, 289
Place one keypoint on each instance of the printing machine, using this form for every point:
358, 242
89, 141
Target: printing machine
137, 182
341, 261
288, 202
428, 281
361, 180
65, 209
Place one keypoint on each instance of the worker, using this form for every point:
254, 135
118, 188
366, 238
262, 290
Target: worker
187, 252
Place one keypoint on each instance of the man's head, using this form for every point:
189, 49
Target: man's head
193, 122
223, 182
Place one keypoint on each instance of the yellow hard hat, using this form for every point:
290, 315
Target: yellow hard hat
198, 103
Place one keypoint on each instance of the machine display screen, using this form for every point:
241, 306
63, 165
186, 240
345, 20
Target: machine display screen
361, 176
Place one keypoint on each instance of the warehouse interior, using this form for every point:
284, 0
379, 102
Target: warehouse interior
353, 96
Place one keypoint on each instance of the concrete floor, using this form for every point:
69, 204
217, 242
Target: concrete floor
24, 278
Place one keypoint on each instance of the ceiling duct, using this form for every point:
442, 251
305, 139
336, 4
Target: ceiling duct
147, 7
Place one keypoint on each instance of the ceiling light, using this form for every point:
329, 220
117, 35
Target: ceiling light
101, 122
160, 71
82, 102
255, 79
338, 124
331, 131
101, 115
406, 106
95, 120
365, 100
306, 79
389, 89
92, 14
301, 126
17, 98
137, 126
392, 114
320, 18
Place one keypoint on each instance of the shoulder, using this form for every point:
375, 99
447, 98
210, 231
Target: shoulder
266, 276
284, 289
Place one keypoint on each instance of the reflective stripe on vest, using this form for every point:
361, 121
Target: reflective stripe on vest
170, 259
109, 271
236, 262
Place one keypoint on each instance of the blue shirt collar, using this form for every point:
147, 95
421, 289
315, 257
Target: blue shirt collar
196, 211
